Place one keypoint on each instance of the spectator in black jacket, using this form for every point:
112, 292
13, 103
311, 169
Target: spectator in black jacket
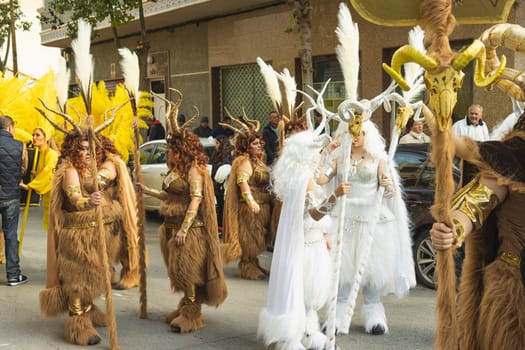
221, 130
11, 169
203, 130
271, 136
156, 130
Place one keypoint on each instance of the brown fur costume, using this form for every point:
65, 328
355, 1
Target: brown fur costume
122, 192
246, 233
197, 262
491, 304
74, 265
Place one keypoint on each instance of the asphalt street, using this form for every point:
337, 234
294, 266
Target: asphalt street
231, 326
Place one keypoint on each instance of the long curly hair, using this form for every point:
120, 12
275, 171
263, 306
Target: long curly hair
242, 142
105, 146
186, 149
71, 148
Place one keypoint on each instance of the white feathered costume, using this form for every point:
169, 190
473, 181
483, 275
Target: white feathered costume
297, 290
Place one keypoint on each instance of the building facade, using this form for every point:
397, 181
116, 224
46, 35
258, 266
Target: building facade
207, 50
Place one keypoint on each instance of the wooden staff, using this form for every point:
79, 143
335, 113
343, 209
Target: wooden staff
141, 217
110, 312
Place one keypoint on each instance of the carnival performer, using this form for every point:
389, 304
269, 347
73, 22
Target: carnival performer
247, 210
300, 275
390, 268
114, 179
42, 176
189, 234
488, 214
75, 277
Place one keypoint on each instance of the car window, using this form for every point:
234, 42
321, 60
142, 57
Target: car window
159, 157
145, 153
415, 169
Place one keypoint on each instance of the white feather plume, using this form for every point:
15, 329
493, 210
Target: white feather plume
348, 50
130, 70
83, 58
290, 89
272, 83
413, 71
63, 77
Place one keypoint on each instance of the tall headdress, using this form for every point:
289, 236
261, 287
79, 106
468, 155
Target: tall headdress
172, 112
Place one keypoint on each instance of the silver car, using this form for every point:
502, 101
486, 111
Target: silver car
154, 169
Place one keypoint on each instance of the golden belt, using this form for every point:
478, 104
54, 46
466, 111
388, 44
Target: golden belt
175, 222
89, 224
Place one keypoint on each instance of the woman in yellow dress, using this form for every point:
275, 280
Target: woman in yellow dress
42, 176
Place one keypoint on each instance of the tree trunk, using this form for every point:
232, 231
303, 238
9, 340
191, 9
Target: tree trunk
143, 50
13, 36
302, 12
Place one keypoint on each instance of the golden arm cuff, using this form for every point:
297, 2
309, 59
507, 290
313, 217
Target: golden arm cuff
151, 192
242, 177
196, 188
248, 197
188, 220
476, 201
103, 178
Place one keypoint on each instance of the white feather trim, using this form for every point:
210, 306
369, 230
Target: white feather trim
272, 83
414, 72
63, 77
290, 89
348, 50
83, 59
130, 70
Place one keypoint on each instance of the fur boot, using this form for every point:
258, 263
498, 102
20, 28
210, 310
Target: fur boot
175, 313
79, 330
98, 317
128, 279
249, 270
340, 311
190, 319
313, 338
374, 318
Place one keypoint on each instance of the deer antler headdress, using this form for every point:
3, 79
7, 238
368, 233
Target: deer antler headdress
172, 112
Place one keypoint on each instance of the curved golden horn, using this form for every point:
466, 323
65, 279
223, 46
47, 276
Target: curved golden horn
476, 50
243, 125
175, 111
254, 124
406, 54
52, 122
63, 115
107, 122
167, 114
191, 120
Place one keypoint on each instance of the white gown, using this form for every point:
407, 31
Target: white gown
390, 268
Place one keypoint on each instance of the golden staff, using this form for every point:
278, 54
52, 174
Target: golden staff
26, 208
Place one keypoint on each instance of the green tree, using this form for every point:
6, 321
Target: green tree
6, 23
118, 12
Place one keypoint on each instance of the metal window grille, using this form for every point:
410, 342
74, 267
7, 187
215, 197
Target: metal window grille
243, 86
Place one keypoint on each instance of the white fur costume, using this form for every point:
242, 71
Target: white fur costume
296, 291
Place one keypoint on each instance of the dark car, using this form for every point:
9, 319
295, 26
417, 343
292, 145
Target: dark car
418, 173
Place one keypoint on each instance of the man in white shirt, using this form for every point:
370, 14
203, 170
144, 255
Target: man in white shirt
472, 125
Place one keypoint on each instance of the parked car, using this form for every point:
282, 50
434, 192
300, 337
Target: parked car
154, 169
417, 174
